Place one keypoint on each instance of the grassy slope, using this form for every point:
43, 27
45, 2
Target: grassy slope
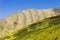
47, 29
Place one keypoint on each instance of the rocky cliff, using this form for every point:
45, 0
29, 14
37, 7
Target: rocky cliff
23, 18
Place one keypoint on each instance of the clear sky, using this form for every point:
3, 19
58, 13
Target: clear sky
8, 7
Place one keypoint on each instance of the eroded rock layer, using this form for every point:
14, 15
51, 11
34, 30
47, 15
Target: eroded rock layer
24, 18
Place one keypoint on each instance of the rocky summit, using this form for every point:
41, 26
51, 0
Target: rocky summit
22, 19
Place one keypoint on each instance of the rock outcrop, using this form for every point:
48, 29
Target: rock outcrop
23, 18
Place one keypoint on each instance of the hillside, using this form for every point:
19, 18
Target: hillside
22, 19
46, 29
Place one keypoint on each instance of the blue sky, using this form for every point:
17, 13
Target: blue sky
8, 7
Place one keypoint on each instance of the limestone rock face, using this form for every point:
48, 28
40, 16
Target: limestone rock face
24, 18
30, 16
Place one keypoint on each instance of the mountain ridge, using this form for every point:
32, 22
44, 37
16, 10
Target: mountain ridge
24, 18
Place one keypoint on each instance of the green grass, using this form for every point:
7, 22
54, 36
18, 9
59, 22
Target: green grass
47, 29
